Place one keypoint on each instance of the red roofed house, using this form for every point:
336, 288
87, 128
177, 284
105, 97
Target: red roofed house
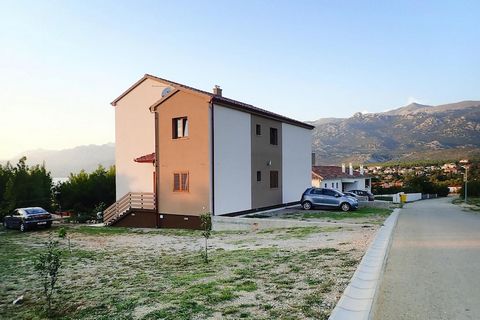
334, 177
180, 152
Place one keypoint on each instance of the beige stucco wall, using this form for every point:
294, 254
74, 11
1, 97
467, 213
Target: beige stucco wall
190, 154
134, 137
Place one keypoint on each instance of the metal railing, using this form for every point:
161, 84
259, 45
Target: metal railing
130, 201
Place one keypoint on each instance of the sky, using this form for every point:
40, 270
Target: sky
63, 62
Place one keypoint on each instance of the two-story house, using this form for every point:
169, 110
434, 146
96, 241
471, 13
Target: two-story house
181, 152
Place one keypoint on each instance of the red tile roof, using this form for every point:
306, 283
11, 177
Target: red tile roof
148, 158
222, 101
333, 172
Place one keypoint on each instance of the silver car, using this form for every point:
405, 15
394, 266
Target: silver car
322, 197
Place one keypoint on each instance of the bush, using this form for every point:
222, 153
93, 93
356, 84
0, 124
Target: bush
24, 186
85, 194
421, 184
473, 188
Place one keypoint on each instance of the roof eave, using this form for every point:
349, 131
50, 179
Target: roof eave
280, 118
153, 107
133, 86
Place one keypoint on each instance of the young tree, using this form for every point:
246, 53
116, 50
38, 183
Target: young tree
206, 223
48, 265
62, 233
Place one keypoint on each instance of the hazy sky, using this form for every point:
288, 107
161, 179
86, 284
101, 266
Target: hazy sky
63, 62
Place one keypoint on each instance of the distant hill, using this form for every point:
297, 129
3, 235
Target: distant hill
413, 132
410, 133
62, 162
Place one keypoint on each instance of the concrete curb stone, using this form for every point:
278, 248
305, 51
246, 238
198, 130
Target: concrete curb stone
357, 300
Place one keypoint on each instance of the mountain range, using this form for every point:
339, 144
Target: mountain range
412, 132
62, 162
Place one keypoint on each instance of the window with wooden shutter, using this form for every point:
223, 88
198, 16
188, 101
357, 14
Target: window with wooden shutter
180, 182
184, 180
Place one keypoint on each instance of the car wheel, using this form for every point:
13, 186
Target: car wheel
307, 205
23, 228
345, 207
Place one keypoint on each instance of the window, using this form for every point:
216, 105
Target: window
273, 179
328, 192
336, 185
179, 128
180, 182
274, 136
367, 183
316, 191
259, 175
258, 130
325, 185
332, 184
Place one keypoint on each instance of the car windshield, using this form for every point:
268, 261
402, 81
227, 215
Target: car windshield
35, 211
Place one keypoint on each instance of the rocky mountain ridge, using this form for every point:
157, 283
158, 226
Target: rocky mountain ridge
409, 133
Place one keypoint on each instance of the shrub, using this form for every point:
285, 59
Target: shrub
473, 188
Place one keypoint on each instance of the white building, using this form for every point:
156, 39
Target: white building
338, 178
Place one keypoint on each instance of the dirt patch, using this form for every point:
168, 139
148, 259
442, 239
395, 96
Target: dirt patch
150, 274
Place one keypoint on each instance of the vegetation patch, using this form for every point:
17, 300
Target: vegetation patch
473, 203
367, 212
128, 282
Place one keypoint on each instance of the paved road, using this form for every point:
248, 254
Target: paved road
433, 268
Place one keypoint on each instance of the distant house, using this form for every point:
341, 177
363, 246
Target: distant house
338, 178
181, 151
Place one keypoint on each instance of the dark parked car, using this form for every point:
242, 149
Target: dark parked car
353, 195
28, 218
322, 197
363, 193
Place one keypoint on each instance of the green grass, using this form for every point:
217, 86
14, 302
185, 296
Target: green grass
114, 231
473, 201
340, 215
298, 232
117, 283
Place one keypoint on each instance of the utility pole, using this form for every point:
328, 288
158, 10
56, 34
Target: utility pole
466, 182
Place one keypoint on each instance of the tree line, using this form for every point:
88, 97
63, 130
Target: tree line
83, 194
415, 184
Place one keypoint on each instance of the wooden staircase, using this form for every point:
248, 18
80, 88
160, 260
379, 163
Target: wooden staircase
131, 202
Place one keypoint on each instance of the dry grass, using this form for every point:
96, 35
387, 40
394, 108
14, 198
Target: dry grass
107, 278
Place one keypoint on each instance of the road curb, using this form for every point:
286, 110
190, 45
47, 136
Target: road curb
357, 300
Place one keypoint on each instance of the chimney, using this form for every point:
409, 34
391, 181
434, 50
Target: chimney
343, 167
313, 158
350, 169
361, 170
217, 90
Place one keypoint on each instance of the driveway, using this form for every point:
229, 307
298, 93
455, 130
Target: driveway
433, 268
